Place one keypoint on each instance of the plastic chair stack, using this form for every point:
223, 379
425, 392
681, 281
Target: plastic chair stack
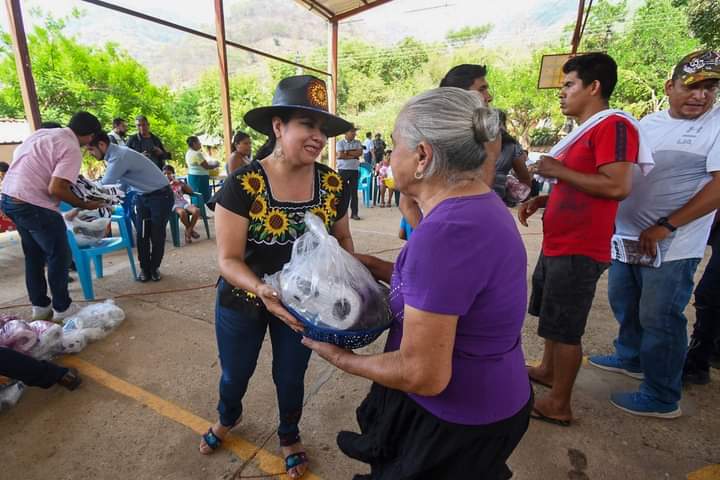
365, 183
175, 219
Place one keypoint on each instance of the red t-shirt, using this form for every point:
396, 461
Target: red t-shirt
576, 223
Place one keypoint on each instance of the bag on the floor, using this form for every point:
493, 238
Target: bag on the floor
17, 335
88, 226
49, 339
97, 319
10, 394
327, 286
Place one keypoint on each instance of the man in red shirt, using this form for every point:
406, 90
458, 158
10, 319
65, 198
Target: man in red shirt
594, 173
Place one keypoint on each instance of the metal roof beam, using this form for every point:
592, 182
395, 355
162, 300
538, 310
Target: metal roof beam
355, 11
198, 33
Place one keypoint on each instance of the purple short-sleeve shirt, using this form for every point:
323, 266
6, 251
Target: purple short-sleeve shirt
467, 258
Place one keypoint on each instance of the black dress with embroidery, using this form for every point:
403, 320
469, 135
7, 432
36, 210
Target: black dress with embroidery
274, 225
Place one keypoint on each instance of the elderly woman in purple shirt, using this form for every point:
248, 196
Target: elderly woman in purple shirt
451, 396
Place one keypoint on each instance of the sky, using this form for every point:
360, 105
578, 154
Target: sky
427, 20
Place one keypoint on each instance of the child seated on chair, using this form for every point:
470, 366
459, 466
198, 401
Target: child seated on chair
382, 173
186, 211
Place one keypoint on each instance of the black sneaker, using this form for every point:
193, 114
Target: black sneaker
156, 276
143, 277
355, 217
696, 376
71, 380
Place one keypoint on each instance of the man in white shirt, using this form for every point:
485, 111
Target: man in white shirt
368, 148
671, 212
349, 150
119, 132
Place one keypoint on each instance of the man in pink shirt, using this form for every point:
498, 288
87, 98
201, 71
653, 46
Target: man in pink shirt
44, 167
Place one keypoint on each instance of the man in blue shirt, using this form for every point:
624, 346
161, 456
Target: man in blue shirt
153, 200
349, 150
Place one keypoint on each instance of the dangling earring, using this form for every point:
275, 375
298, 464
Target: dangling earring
418, 175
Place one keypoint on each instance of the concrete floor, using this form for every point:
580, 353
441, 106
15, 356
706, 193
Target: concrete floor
151, 387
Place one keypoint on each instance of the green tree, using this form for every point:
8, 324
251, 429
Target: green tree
468, 33
703, 20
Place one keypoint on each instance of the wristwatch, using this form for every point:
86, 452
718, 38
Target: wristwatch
663, 222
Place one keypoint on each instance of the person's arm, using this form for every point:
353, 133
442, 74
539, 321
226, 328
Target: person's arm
231, 234
381, 270
160, 151
527, 209
60, 188
186, 188
612, 180
114, 170
422, 365
234, 162
341, 232
410, 210
521, 171
702, 203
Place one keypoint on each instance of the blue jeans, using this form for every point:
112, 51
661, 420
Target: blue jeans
44, 242
239, 337
649, 303
152, 212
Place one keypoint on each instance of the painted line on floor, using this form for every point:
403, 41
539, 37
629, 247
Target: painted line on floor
711, 472
264, 460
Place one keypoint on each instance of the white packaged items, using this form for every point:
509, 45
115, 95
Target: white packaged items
10, 394
105, 316
327, 286
18, 336
49, 337
74, 341
88, 226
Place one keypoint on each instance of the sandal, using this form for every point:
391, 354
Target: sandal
295, 460
212, 441
71, 380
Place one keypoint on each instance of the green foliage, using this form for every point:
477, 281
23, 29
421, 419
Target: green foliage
70, 77
469, 33
703, 20
542, 137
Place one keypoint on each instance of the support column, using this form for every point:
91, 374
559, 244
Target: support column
333, 84
223, 66
22, 62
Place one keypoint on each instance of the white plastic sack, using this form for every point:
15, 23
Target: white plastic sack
10, 394
88, 226
327, 285
105, 316
49, 339
74, 341
17, 335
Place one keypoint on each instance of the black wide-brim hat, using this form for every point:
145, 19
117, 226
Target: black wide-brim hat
301, 92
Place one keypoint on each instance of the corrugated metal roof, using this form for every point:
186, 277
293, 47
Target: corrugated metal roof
13, 131
329, 9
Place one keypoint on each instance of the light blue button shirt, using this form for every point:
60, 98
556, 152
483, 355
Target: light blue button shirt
128, 167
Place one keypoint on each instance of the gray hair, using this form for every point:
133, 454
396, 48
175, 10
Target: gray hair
456, 123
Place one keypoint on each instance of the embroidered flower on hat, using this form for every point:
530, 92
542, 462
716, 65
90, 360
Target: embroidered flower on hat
317, 94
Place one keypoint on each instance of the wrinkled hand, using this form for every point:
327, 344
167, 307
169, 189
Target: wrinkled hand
547, 166
527, 209
650, 237
271, 298
332, 353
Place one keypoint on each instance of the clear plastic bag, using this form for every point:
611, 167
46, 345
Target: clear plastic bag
88, 226
10, 394
105, 316
73, 341
18, 335
327, 286
49, 339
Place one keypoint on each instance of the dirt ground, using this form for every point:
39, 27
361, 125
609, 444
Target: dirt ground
151, 388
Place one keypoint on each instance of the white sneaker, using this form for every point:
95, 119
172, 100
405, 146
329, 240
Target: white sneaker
59, 317
41, 313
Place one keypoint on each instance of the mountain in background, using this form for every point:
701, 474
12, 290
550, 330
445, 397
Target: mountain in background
286, 29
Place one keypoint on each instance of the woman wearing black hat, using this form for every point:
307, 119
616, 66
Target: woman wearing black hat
260, 213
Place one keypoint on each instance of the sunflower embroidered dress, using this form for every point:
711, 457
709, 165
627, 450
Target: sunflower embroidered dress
274, 225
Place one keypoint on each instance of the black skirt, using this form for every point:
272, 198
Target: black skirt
403, 441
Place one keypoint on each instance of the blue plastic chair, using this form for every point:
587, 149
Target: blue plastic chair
175, 219
365, 183
82, 255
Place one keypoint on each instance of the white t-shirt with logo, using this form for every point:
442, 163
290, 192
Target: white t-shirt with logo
685, 153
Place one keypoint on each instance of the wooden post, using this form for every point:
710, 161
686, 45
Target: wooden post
332, 88
22, 62
577, 34
224, 83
